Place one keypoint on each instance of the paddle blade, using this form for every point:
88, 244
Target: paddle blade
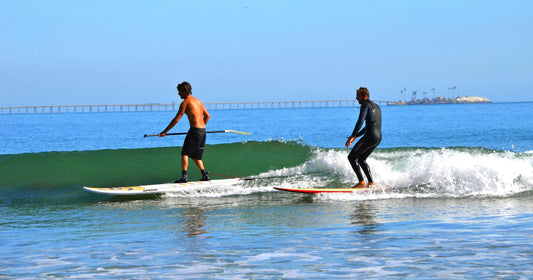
238, 132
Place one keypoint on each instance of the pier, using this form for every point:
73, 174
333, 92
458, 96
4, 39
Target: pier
150, 107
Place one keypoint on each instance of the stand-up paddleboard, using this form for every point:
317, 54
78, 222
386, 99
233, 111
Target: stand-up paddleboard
166, 188
372, 189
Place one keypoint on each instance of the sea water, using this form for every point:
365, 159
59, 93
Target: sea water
457, 182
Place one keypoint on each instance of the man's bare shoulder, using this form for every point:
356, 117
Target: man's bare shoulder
186, 102
196, 102
192, 103
191, 99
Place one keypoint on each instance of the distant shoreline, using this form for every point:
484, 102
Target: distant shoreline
442, 100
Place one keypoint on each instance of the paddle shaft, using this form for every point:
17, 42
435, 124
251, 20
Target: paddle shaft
216, 131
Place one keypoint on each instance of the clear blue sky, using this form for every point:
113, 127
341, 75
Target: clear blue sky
125, 52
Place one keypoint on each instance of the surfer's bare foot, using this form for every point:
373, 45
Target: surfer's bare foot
371, 184
360, 185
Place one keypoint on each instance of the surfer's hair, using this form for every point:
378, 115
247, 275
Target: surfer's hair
185, 87
364, 91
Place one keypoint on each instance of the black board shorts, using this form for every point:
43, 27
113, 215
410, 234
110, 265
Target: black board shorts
194, 143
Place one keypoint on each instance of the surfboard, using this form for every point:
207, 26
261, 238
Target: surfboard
373, 189
165, 188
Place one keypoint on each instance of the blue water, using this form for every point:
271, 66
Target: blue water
500, 126
458, 183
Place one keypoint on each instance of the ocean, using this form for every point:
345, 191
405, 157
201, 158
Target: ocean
457, 180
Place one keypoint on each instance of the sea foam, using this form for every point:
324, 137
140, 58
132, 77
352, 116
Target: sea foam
453, 172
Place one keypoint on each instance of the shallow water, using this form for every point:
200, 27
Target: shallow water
273, 235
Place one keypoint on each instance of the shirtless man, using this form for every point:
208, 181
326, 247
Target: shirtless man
370, 113
194, 143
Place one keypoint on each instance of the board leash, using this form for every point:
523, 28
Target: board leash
229, 176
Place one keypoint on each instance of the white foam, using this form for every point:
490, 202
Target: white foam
438, 172
401, 173
247, 187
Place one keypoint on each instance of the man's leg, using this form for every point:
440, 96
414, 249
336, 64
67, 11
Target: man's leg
352, 158
184, 163
200, 164
362, 163
184, 166
357, 158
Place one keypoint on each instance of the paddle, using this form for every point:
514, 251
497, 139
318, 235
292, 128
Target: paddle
217, 131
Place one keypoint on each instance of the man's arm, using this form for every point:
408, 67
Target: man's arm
359, 124
175, 120
356, 133
206, 116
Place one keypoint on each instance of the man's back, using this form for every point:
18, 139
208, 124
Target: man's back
373, 120
196, 112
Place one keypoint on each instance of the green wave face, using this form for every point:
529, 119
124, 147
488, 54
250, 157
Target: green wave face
143, 166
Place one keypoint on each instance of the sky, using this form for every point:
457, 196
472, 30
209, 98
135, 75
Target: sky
129, 52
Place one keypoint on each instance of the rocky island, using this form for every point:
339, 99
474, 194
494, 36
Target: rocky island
442, 100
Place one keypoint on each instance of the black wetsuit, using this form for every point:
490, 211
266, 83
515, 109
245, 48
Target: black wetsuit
370, 113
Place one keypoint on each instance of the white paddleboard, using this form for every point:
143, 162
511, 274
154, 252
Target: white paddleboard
165, 188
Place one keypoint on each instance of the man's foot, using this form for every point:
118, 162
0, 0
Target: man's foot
360, 185
205, 176
182, 180
183, 177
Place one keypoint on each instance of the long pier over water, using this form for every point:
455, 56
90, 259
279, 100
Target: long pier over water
149, 107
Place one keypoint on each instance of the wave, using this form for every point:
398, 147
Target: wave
142, 166
423, 172
402, 172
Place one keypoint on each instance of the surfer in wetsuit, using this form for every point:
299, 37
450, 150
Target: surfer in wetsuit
370, 113
194, 143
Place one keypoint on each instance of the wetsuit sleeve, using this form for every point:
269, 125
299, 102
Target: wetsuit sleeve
359, 123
